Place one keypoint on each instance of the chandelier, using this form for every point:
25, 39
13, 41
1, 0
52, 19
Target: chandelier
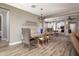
41, 15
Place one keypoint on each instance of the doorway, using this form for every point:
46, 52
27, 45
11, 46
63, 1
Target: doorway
3, 30
73, 26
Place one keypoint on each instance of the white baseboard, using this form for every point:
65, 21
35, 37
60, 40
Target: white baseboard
14, 43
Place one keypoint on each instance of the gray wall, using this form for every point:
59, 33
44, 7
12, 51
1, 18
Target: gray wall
17, 19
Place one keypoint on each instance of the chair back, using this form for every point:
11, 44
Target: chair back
26, 32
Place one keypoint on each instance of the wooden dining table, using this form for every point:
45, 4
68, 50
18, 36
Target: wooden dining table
40, 38
37, 35
36, 38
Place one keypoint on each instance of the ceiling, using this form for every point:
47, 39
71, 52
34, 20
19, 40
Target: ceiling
49, 9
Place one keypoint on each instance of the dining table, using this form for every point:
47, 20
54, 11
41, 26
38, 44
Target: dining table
41, 38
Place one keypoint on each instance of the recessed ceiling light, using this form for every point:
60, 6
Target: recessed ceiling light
33, 6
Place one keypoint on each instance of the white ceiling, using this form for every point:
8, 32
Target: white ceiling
48, 8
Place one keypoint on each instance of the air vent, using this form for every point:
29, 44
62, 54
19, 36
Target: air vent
33, 6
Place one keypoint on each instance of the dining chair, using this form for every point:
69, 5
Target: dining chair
26, 36
27, 39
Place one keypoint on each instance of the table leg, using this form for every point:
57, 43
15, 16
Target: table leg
38, 43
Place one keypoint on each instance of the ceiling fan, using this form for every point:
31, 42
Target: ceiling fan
71, 18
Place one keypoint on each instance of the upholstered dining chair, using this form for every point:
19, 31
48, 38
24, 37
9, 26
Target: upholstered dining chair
27, 39
26, 36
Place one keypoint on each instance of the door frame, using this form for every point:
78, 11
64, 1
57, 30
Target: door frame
73, 23
8, 23
8, 26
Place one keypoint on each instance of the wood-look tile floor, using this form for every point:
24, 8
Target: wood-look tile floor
3, 43
54, 48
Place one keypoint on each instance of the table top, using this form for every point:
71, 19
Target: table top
37, 35
40, 35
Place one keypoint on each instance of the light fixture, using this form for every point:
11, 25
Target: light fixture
41, 15
33, 6
41, 18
